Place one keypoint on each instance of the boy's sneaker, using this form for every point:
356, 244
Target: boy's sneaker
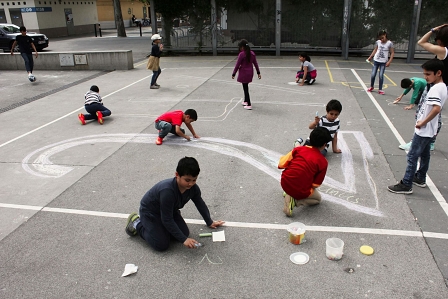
418, 182
381, 92
100, 117
130, 230
433, 146
159, 141
248, 107
311, 81
82, 119
406, 146
369, 89
244, 103
157, 85
154, 87
289, 204
400, 188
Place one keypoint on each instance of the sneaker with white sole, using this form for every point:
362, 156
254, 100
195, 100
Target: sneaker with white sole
406, 146
248, 107
311, 81
244, 103
418, 182
400, 188
289, 204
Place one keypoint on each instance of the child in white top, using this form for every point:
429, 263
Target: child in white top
307, 72
381, 59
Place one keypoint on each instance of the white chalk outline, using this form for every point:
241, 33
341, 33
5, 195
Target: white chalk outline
432, 187
44, 168
336, 229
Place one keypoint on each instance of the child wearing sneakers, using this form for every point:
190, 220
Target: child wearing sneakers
425, 129
330, 122
160, 219
304, 171
307, 72
418, 85
170, 122
94, 106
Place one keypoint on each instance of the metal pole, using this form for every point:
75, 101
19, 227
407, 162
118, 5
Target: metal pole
214, 40
414, 28
278, 26
152, 10
94, 27
345, 38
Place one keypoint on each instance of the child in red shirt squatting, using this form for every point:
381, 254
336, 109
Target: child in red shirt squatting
305, 169
171, 121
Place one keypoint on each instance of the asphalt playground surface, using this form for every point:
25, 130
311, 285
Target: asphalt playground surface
66, 189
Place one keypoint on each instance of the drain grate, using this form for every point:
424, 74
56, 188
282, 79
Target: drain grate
45, 94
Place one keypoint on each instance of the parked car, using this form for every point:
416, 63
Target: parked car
8, 33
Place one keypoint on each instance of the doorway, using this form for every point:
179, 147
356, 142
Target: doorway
2, 16
16, 16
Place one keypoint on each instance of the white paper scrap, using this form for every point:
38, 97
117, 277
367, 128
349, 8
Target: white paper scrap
129, 269
218, 236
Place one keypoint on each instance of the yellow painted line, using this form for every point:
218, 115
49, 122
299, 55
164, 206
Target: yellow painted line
329, 72
390, 80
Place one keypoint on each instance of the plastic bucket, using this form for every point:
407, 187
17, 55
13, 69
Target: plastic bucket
296, 232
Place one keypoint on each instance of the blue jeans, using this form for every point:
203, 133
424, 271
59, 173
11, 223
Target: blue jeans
93, 109
420, 148
155, 75
165, 128
382, 67
29, 62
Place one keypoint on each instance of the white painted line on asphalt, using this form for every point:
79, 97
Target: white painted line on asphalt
432, 187
68, 114
357, 230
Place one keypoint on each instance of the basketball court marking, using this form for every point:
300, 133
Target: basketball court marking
432, 187
336, 229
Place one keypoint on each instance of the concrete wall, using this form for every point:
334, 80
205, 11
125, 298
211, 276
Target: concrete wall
96, 60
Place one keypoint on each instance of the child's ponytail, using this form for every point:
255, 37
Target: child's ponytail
245, 45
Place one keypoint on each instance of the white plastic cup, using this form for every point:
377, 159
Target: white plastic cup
296, 232
335, 249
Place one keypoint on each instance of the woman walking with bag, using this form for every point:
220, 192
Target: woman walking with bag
153, 62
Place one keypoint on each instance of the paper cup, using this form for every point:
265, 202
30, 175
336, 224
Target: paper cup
335, 249
296, 232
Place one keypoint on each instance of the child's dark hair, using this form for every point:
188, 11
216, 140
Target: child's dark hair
406, 83
334, 105
245, 45
442, 36
433, 65
188, 166
94, 88
192, 113
382, 32
304, 55
22, 29
320, 136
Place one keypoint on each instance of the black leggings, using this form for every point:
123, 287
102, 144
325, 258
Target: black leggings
246, 93
152, 230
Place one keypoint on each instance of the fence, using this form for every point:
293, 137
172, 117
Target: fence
313, 25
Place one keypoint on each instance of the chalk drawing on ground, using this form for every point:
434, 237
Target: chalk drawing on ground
343, 193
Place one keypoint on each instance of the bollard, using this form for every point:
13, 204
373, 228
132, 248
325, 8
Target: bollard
99, 29
94, 28
140, 27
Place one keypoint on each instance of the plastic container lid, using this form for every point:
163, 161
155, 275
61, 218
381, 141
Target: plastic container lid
299, 258
367, 250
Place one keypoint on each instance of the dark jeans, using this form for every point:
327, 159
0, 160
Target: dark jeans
420, 148
308, 76
155, 75
29, 62
152, 230
92, 109
165, 128
246, 93
376, 66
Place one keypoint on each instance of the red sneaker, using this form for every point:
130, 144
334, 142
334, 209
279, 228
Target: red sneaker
81, 119
380, 92
159, 141
369, 89
100, 117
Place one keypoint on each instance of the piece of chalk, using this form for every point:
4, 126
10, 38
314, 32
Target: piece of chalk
198, 244
205, 235
317, 113
368, 61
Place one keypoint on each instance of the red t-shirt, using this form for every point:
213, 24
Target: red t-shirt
306, 169
172, 117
